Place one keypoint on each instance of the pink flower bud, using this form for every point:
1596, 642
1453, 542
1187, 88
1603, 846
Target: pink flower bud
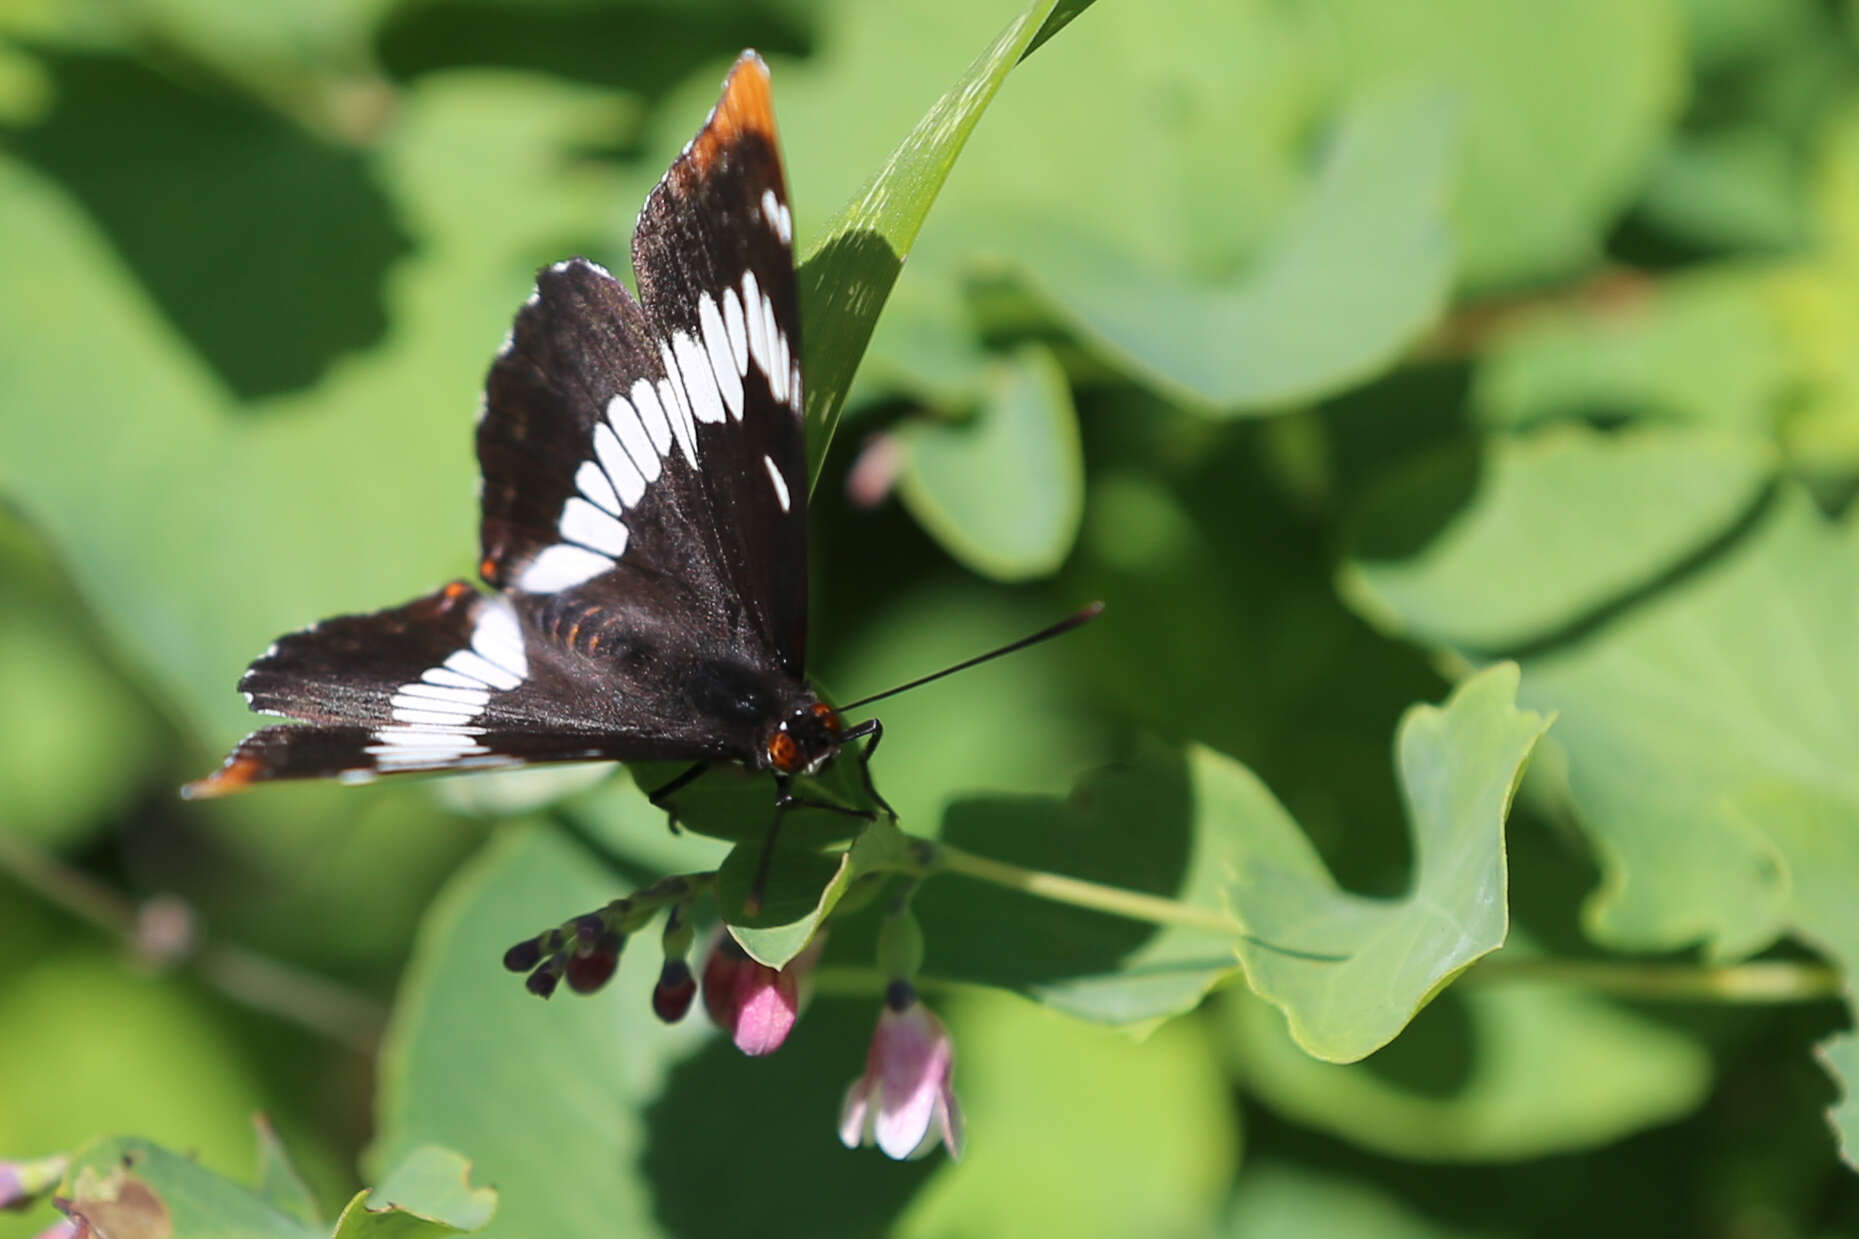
905, 1102
757, 1005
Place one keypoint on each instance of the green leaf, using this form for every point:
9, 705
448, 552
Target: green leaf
1459, 765
779, 934
1555, 526
1202, 830
63, 708
1817, 301
1004, 491
631, 1113
1284, 1200
1542, 181
65, 1078
125, 1188
477, 166
848, 274
1705, 348
1841, 1057
1738, 190
1494, 1072
1362, 269
428, 1194
1145, 1148
1711, 753
1142, 826
578, 1070
277, 1182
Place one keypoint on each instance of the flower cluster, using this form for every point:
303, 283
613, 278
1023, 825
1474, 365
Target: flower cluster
904, 1102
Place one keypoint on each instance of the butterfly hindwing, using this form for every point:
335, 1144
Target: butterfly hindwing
455, 680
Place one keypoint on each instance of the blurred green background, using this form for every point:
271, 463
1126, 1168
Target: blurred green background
1340, 345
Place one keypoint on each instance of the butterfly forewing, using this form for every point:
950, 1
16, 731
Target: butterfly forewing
644, 515
713, 253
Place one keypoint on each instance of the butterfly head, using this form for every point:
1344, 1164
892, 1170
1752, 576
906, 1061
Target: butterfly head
805, 739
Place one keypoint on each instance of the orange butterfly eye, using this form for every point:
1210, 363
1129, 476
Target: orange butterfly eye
826, 714
784, 753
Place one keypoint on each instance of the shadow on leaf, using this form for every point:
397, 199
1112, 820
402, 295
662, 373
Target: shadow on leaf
1436, 1056
646, 48
234, 220
742, 1146
1127, 826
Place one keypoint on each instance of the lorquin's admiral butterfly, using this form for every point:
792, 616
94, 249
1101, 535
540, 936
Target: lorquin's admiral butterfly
644, 525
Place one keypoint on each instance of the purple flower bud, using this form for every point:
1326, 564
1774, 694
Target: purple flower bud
22, 1183
523, 956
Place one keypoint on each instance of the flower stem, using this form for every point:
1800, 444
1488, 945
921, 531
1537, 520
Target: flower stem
943, 858
320, 1005
1762, 981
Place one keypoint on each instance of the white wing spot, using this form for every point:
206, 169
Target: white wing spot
471, 700
619, 466
780, 483
645, 403
780, 360
625, 421
468, 663
677, 405
699, 382
737, 328
586, 524
561, 567
722, 360
432, 715
591, 480
752, 306
778, 217
441, 718
498, 637
449, 679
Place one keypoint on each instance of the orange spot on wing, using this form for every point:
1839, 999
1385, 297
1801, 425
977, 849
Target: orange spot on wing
235, 776
747, 107
456, 590
488, 570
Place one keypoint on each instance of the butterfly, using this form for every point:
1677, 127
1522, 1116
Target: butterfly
643, 528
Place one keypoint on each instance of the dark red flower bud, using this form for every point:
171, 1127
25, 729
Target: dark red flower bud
592, 967
542, 981
671, 997
523, 956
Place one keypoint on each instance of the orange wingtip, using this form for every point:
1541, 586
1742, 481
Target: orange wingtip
235, 776
747, 107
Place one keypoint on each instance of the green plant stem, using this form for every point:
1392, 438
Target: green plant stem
242, 975
1763, 981
943, 858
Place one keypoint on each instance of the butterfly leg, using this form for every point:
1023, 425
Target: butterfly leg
874, 729
785, 799
661, 797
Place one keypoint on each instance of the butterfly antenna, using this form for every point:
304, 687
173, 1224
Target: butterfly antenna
1083, 616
